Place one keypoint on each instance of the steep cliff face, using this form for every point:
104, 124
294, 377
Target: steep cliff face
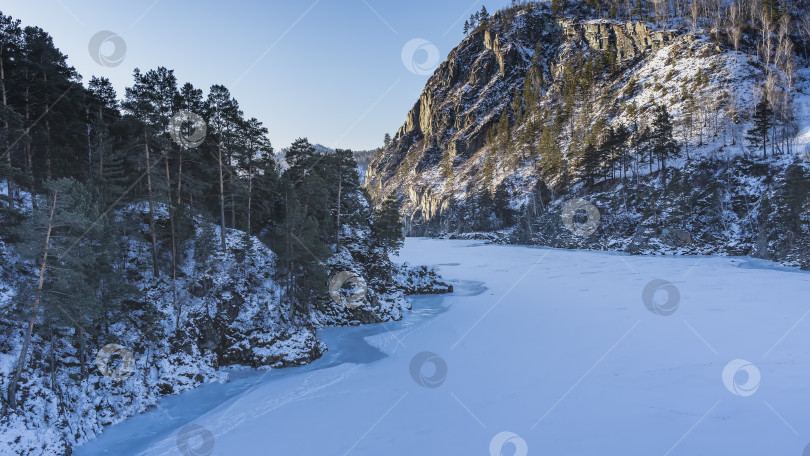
516, 106
456, 107
466, 95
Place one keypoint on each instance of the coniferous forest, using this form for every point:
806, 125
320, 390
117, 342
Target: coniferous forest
157, 230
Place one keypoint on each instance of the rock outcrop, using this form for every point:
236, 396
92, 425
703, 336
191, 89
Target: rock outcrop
463, 99
514, 105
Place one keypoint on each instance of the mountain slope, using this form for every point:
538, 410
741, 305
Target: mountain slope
523, 112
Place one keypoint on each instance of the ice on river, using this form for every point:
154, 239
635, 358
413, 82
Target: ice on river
539, 351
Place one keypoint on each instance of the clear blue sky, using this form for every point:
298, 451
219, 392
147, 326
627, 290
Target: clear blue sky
330, 70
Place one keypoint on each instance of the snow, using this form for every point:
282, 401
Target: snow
802, 103
551, 351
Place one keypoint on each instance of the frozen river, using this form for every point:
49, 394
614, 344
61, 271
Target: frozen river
538, 351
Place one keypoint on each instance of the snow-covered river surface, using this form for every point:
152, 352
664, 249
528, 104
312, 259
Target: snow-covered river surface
538, 352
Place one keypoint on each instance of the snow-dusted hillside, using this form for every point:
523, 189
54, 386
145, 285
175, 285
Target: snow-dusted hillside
517, 104
549, 351
228, 312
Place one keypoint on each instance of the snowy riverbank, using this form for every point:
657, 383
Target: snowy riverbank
555, 346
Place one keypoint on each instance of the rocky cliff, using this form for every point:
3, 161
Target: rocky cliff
517, 104
467, 93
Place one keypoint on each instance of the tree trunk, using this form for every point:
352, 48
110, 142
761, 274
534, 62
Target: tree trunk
171, 225
221, 200
6, 125
11, 399
179, 177
101, 146
28, 151
250, 195
151, 208
230, 185
48, 167
340, 190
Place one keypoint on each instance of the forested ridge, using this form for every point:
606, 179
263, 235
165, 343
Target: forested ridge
684, 123
147, 240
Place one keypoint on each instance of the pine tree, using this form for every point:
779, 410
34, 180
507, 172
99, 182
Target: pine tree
502, 205
254, 160
483, 209
139, 104
758, 136
265, 209
663, 144
103, 106
310, 188
300, 156
58, 239
300, 251
503, 128
770, 9
191, 171
517, 105
618, 142
466, 26
484, 15
10, 49
165, 96
342, 176
551, 157
387, 227
223, 113
590, 162
558, 7
639, 10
